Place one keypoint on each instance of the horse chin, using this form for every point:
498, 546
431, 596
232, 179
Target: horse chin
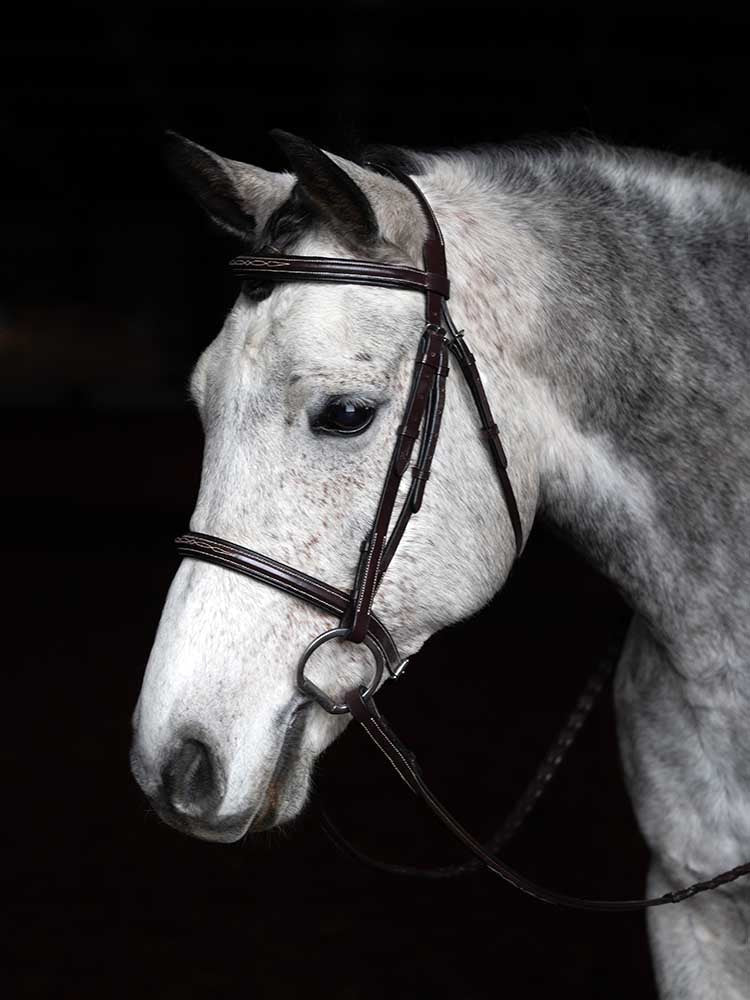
226, 830
274, 812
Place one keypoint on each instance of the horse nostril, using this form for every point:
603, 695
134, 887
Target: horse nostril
191, 779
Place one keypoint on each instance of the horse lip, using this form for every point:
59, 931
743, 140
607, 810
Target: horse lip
225, 830
270, 805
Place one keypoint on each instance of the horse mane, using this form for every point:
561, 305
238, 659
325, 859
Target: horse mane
569, 163
578, 164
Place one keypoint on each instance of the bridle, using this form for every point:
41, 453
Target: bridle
421, 420
357, 621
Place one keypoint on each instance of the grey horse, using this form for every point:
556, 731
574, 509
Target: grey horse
606, 293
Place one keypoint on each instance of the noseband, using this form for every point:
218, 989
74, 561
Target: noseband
357, 623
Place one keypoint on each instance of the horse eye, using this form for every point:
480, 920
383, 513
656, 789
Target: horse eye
344, 416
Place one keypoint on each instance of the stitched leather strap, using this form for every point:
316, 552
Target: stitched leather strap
405, 764
433, 248
281, 267
433, 253
430, 368
420, 470
209, 548
468, 364
515, 819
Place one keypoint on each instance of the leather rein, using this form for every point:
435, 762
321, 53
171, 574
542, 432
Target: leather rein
357, 621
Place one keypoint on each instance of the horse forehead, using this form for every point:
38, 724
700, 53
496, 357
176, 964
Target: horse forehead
345, 316
320, 326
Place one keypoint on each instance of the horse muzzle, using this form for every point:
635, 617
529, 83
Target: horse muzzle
187, 784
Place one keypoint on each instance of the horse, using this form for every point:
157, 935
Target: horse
607, 291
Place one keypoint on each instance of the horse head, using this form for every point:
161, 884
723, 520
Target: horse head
300, 397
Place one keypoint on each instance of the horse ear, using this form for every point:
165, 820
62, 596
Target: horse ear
332, 190
237, 197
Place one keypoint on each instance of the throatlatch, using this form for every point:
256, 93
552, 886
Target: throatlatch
357, 622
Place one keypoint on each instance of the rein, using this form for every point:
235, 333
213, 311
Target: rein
357, 621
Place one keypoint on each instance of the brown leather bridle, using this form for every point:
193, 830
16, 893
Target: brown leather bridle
421, 420
357, 621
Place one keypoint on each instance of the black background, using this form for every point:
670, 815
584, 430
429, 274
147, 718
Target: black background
111, 284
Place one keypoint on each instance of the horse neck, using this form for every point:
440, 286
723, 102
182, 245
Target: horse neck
607, 362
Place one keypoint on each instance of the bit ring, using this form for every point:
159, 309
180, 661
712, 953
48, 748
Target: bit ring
307, 687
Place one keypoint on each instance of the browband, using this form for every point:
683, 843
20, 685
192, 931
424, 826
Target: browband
332, 269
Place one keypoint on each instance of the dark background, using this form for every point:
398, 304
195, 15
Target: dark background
111, 284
